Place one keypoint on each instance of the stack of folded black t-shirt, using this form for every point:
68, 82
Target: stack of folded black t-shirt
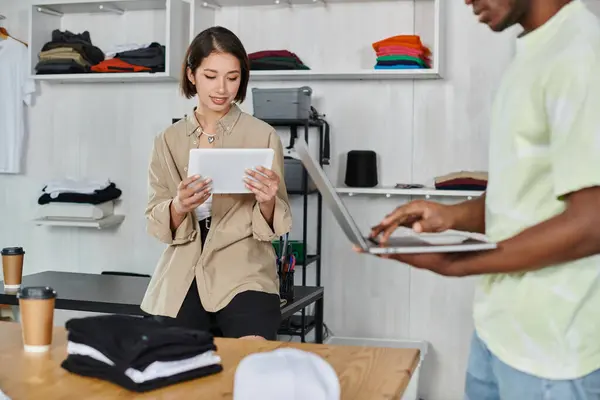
68, 53
139, 354
275, 60
99, 196
152, 57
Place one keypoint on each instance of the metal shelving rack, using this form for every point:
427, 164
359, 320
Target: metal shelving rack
305, 323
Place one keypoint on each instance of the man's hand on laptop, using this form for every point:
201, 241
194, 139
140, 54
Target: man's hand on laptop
420, 215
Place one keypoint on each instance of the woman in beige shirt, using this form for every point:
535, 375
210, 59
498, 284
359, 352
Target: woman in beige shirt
218, 271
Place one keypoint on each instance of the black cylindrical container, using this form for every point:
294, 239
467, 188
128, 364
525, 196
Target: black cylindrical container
361, 169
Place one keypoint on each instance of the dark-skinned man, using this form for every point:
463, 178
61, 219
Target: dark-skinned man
537, 304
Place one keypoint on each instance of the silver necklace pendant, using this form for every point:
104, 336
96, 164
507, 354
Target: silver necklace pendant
211, 139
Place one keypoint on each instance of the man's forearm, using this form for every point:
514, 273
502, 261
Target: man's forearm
470, 215
558, 240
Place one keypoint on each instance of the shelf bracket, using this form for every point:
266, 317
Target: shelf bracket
289, 3
214, 6
48, 11
114, 10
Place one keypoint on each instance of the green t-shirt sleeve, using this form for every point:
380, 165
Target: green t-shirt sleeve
573, 110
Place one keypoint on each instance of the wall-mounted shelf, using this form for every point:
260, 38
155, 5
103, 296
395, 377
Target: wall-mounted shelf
279, 3
427, 13
174, 23
367, 74
391, 191
113, 23
106, 78
104, 223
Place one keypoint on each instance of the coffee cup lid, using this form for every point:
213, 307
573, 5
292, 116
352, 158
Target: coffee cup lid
12, 251
36, 292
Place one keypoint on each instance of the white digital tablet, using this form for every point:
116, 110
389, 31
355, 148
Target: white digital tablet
227, 167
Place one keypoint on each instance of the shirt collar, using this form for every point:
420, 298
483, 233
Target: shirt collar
224, 125
535, 38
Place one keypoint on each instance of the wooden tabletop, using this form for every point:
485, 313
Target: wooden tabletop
364, 372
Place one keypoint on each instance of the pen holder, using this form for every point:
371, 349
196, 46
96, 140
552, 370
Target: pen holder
286, 285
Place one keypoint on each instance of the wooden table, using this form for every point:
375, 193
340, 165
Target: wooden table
364, 372
115, 294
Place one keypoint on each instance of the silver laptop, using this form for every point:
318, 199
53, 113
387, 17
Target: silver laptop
408, 242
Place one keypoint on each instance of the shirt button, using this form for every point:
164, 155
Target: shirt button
185, 169
195, 142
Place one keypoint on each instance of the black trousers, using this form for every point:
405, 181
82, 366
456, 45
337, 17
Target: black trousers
250, 313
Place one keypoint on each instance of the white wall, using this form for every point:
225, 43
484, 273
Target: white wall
419, 129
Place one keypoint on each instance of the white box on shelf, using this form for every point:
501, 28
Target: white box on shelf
412, 390
426, 20
110, 24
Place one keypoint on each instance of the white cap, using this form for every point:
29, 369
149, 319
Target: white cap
285, 373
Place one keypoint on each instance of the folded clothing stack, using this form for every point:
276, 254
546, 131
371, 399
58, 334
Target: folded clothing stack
68, 53
128, 58
275, 60
78, 199
462, 180
402, 52
138, 354
79, 191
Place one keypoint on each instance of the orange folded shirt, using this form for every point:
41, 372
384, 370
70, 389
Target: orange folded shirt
118, 65
411, 41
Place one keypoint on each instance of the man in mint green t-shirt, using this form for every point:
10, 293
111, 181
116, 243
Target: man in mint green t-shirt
537, 304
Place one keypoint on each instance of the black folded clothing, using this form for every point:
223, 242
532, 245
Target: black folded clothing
66, 66
139, 354
276, 64
70, 37
82, 43
111, 192
152, 57
86, 366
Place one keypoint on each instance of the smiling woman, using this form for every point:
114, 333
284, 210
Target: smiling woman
217, 69
218, 272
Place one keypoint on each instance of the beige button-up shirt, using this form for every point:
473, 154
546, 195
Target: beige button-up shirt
238, 254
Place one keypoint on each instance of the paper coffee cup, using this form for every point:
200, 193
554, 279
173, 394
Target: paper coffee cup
37, 317
12, 266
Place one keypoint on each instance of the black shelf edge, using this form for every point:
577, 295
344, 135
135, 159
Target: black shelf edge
292, 122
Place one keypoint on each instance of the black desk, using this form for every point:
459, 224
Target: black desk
113, 294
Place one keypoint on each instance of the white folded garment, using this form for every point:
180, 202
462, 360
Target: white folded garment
76, 210
84, 186
119, 48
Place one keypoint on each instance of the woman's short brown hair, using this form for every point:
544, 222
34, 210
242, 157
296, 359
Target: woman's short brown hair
215, 39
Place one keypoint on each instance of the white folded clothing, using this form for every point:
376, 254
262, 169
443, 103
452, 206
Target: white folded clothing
119, 48
84, 186
76, 210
